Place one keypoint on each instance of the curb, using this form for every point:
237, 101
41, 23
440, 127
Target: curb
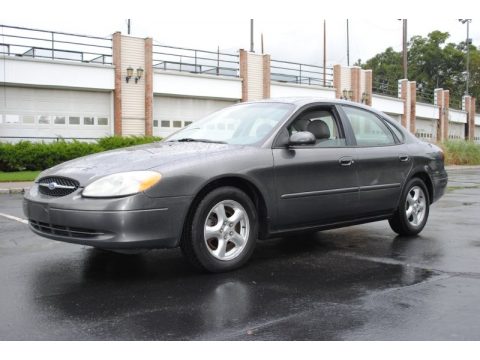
13, 191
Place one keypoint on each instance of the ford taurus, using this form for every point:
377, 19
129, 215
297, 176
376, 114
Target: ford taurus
250, 171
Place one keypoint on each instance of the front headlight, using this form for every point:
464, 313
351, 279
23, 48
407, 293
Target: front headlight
122, 184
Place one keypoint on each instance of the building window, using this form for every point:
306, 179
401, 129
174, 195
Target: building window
74, 120
177, 124
187, 123
102, 121
28, 119
88, 120
44, 120
59, 120
165, 123
155, 123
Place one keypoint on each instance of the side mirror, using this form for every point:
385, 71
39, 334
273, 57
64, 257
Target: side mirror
302, 138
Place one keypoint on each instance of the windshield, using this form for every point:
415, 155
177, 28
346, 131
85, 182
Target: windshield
242, 124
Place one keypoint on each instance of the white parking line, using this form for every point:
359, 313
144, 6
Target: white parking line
11, 217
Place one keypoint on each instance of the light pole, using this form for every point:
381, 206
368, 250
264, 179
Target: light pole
468, 42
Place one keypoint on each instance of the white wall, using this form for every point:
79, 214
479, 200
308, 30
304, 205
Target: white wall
45, 73
457, 116
427, 111
278, 89
387, 104
477, 119
194, 85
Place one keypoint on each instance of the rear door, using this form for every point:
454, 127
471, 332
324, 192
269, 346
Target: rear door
315, 184
383, 161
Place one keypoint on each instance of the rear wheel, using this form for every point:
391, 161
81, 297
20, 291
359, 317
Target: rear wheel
222, 232
413, 210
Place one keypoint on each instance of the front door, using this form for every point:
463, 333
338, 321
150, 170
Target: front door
316, 184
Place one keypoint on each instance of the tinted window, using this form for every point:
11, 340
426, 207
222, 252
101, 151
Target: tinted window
369, 130
322, 124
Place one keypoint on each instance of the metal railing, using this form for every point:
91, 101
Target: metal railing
34, 43
385, 87
195, 61
425, 96
291, 72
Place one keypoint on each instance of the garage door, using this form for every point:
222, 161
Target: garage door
456, 130
53, 113
426, 129
173, 113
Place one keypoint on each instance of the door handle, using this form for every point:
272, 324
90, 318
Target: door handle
404, 158
346, 161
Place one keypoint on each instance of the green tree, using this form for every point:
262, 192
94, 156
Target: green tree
432, 63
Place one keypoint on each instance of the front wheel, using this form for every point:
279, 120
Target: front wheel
222, 232
412, 213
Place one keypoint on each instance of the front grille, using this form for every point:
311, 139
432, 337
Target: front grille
57, 186
66, 231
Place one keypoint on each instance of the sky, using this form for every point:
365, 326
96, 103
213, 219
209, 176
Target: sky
293, 31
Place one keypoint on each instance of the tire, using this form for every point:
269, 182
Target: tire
413, 209
213, 245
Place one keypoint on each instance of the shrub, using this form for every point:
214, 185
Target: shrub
460, 152
26, 155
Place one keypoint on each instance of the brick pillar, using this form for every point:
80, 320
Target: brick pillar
369, 86
441, 114
148, 87
266, 76
244, 73
117, 93
472, 118
337, 80
255, 74
403, 84
446, 117
355, 84
413, 107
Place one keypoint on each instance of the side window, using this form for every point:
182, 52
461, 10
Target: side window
322, 124
369, 130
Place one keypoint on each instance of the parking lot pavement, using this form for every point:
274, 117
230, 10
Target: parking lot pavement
360, 282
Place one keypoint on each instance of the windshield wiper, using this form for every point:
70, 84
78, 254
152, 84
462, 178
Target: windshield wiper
198, 140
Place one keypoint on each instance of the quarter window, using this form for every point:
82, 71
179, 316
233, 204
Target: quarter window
369, 130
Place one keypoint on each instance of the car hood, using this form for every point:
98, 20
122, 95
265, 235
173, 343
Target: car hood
142, 157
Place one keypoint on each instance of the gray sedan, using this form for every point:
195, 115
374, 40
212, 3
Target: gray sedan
250, 171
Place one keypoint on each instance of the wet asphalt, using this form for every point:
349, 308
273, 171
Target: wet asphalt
356, 283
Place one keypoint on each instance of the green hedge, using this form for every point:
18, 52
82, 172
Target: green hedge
460, 152
27, 155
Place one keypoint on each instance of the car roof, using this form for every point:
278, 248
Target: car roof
300, 101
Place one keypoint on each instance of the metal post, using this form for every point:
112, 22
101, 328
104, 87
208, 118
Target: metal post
251, 36
261, 38
53, 46
128, 26
348, 45
468, 56
218, 60
324, 52
405, 53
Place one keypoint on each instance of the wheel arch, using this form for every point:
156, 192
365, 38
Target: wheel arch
247, 186
423, 175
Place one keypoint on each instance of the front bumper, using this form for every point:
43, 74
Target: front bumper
108, 223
